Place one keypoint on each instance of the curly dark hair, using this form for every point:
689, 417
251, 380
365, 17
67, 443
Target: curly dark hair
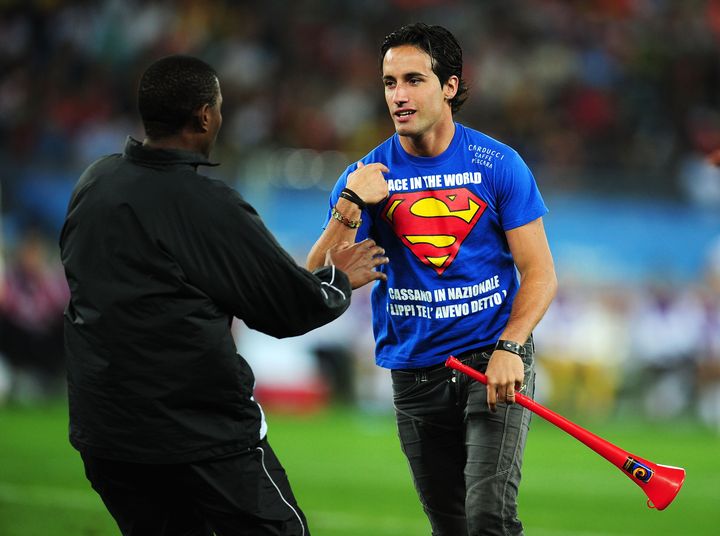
442, 47
171, 89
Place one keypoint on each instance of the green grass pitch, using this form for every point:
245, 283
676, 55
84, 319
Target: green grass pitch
352, 480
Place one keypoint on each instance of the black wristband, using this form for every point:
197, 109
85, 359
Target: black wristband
351, 196
511, 346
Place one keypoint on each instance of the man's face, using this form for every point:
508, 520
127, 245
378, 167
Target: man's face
415, 98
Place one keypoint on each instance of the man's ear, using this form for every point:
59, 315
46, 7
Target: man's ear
202, 118
450, 88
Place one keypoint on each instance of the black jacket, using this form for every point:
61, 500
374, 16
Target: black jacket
159, 259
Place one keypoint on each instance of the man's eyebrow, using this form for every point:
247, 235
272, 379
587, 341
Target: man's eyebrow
406, 75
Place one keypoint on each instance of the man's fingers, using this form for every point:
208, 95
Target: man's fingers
492, 397
366, 247
378, 257
359, 261
382, 167
505, 374
375, 165
371, 246
516, 387
500, 393
377, 250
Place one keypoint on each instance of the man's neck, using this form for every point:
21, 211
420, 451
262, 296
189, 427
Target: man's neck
431, 143
179, 141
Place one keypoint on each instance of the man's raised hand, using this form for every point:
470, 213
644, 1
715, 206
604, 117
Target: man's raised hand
369, 183
358, 261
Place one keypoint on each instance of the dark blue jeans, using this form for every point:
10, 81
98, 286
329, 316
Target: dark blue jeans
465, 460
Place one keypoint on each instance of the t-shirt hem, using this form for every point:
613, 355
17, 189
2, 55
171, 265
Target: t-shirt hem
430, 361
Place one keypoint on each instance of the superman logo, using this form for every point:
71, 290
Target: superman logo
434, 224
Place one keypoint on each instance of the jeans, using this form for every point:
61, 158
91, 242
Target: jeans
465, 460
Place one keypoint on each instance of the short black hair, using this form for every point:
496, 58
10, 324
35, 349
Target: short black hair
170, 90
442, 47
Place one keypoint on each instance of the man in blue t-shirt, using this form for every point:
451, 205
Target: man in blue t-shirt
456, 213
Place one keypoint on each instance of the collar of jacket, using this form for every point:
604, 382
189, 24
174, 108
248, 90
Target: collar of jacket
136, 151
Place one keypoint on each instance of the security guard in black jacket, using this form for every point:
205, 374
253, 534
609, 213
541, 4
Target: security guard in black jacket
159, 259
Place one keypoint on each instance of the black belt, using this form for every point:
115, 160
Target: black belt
433, 371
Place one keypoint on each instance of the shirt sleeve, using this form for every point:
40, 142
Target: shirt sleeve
229, 254
519, 199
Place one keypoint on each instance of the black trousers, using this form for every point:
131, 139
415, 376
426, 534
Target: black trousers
247, 494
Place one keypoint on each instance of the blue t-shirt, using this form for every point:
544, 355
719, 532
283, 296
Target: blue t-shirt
451, 277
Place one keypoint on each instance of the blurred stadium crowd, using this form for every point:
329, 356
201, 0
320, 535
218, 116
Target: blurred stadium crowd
611, 97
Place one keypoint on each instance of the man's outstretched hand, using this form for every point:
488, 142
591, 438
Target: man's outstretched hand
358, 261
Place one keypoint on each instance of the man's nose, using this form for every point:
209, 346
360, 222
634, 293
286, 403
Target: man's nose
400, 95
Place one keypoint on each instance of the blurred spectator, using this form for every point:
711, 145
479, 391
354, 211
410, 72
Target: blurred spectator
583, 89
699, 173
32, 300
708, 373
583, 340
666, 334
